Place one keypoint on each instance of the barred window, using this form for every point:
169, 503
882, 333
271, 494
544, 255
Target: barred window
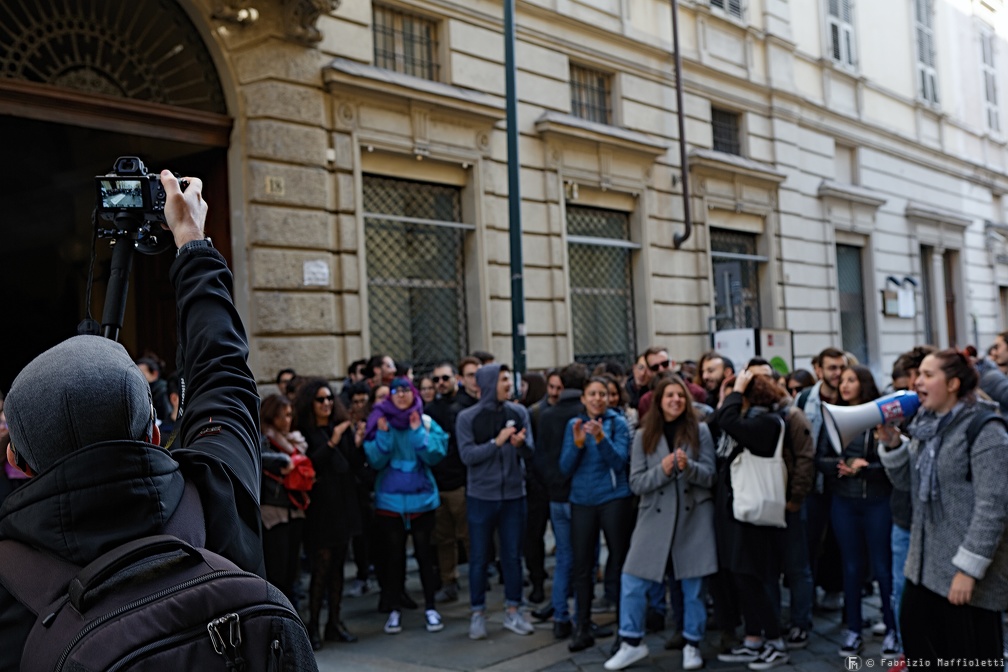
736, 268
726, 131
841, 30
850, 282
414, 247
591, 94
732, 7
405, 42
927, 74
602, 305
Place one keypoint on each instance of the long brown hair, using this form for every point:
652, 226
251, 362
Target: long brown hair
688, 431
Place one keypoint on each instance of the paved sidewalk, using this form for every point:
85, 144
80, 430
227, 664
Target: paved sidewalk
416, 650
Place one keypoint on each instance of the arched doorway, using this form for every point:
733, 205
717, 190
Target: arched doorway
80, 85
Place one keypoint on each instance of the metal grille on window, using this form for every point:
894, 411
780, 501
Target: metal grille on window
414, 246
733, 7
591, 94
850, 283
111, 48
735, 265
405, 42
602, 306
726, 131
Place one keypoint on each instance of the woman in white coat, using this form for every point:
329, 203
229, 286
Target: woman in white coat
672, 470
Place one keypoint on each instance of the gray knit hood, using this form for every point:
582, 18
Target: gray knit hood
85, 390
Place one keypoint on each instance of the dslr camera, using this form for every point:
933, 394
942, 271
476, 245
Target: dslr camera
130, 189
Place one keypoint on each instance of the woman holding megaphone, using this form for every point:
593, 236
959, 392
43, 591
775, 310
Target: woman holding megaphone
957, 563
860, 514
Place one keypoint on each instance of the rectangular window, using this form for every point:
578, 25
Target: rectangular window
731, 7
927, 75
927, 292
989, 74
602, 304
414, 247
841, 31
850, 282
405, 42
736, 268
591, 94
726, 131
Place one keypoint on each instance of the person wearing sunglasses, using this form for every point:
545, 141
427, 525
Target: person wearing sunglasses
450, 524
333, 516
402, 444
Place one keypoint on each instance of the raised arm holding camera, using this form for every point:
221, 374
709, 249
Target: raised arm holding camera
82, 427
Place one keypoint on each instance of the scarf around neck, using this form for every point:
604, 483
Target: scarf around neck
397, 418
927, 429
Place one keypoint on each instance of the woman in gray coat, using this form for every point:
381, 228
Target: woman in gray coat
957, 562
672, 470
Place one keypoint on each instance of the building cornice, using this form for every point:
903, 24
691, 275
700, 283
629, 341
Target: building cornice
565, 126
342, 75
933, 215
851, 193
712, 162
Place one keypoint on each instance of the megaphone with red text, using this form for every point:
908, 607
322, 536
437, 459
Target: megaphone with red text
844, 423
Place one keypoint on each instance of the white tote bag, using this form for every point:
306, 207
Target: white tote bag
760, 486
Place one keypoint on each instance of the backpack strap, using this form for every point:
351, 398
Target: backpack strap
973, 431
34, 578
803, 398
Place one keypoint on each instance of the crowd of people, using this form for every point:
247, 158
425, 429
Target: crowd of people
464, 464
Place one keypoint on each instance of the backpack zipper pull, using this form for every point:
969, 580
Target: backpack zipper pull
48, 620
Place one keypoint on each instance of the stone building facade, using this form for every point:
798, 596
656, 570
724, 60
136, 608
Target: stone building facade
847, 163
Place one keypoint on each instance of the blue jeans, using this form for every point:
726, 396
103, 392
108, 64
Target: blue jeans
560, 520
798, 571
860, 525
900, 542
634, 601
507, 517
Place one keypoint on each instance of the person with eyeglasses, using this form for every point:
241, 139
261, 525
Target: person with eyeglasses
450, 523
402, 443
658, 360
333, 516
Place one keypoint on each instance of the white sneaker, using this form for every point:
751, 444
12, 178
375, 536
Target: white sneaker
691, 658
434, 622
477, 626
879, 629
627, 656
358, 588
392, 625
516, 623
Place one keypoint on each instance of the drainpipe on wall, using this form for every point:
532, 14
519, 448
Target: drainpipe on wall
514, 194
681, 238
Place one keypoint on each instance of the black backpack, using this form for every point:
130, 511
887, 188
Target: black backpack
156, 603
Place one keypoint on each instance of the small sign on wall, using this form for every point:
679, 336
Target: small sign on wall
899, 303
316, 273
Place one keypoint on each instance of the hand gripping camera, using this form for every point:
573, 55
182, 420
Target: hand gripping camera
134, 200
129, 210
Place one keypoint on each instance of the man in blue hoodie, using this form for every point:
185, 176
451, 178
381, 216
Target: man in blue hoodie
493, 437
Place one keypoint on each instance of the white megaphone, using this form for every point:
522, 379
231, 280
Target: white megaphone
844, 423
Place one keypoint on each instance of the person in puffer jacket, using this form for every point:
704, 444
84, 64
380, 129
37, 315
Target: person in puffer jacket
401, 444
595, 454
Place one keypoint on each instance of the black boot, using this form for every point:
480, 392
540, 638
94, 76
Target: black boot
336, 631
581, 640
313, 636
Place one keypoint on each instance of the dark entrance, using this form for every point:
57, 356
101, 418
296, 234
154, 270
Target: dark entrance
80, 87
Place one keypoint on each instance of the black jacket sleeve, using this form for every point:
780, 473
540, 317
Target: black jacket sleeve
218, 441
759, 434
